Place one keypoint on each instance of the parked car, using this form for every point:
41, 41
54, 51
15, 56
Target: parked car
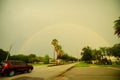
10, 67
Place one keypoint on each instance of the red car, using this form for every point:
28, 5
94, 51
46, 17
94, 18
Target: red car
10, 67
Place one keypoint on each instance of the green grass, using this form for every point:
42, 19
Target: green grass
37, 64
41, 64
109, 65
82, 64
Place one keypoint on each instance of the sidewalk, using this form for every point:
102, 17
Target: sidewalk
60, 70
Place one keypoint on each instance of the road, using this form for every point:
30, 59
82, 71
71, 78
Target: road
90, 73
40, 73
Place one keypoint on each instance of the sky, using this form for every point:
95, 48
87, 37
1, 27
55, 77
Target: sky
29, 26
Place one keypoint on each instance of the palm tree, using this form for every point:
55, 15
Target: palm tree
54, 43
117, 27
58, 49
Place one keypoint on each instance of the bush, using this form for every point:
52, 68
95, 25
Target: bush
104, 61
117, 62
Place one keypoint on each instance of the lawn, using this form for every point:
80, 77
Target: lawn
37, 64
82, 64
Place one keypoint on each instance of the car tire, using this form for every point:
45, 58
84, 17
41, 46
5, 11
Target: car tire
11, 73
29, 70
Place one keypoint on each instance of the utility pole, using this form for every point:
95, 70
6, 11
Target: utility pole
8, 52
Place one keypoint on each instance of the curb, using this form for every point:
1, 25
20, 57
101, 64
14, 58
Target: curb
65, 71
61, 73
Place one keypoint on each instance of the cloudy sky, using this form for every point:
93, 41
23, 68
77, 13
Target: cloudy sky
30, 25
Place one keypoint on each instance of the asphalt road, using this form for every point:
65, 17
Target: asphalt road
91, 73
40, 73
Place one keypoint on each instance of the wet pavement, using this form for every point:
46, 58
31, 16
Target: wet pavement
91, 73
40, 73
28, 78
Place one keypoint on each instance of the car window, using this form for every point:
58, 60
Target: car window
22, 63
18, 63
14, 62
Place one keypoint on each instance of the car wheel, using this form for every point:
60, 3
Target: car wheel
29, 70
12, 73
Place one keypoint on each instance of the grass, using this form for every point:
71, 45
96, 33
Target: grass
82, 64
37, 64
52, 63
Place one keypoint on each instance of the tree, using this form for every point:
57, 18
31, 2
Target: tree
58, 49
86, 54
32, 55
109, 51
32, 58
46, 59
21, 57
96, 54
3, 54
117, 27
116, 50
61, 54
54, 43
66, 57
103, 51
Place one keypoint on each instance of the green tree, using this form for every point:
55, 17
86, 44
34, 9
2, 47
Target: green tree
32, 58
65, 57
86, 54
54, 42
46, 59
40, 59
117, 27
3, 54
109, 51
32, 55
96, 54
103, 51
21, 57
116, 50
61, 54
